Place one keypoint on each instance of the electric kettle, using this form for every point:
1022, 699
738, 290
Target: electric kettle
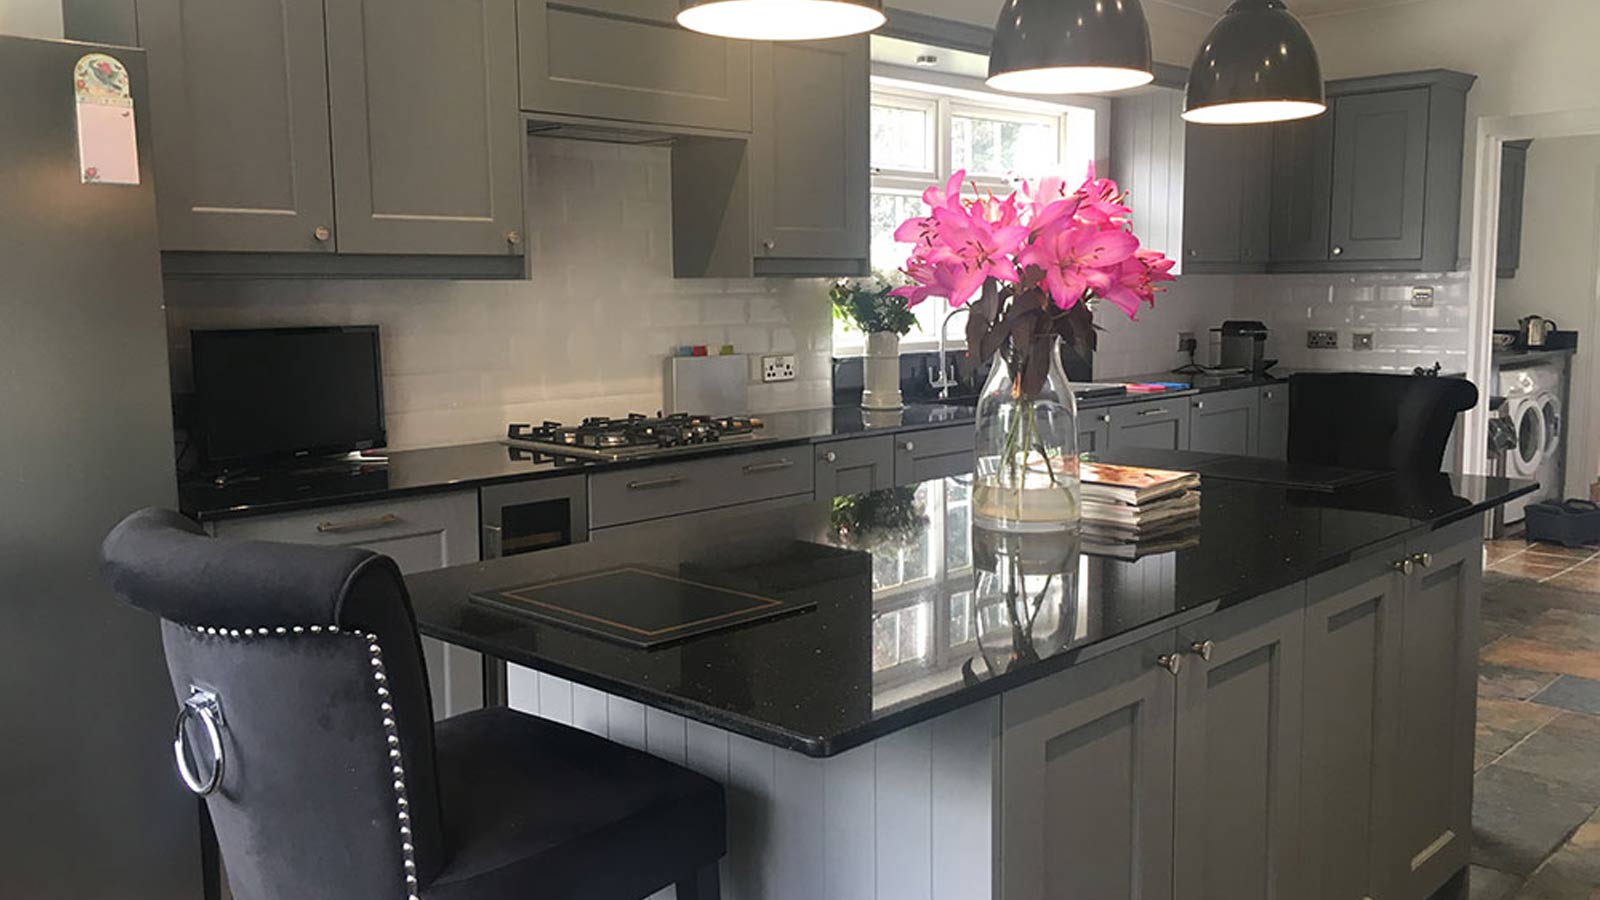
1535, 330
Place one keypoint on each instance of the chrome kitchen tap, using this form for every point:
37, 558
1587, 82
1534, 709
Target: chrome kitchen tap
941, 377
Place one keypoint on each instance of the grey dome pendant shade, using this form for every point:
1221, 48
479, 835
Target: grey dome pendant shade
1070, 47
781, 20
1257, 65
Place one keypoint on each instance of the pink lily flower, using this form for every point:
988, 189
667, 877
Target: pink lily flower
1073, 255
947, 280
985, 249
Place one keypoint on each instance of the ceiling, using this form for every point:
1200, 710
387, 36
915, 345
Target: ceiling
1298, 7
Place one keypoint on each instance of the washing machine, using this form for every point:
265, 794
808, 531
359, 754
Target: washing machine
1532, 408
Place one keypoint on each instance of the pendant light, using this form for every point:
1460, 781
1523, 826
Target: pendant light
1257, 65
1070, 47
781, 20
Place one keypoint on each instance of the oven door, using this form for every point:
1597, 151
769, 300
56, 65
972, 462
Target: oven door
534, 515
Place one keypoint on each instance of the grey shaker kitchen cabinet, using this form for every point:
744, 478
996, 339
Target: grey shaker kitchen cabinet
1272, 430
933, 453
239, 114
1226, 199
1302, 189
628, 60
1438, 683
1162, 424
1513, 187
808, 158
1236, 828
419, 534
1094, 430
427, 140
1099, 738
1226, 422
624, 496
1351, 727
854, 466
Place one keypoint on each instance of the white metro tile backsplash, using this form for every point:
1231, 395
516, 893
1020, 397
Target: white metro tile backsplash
1149, 345
1404, 337
587, 335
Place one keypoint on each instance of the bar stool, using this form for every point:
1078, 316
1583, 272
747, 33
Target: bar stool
305, 723
1373, 421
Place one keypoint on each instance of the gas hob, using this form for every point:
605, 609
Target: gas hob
634, 437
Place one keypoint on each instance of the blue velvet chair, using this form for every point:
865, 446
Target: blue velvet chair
1374, 421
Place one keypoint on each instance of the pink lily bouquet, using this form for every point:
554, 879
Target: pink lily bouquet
1030, 266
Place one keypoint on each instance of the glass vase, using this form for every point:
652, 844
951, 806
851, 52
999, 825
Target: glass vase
1025, 596
1025, 473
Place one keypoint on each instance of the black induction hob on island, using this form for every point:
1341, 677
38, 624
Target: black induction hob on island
633, 437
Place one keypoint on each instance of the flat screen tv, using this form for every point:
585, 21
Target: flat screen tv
279, 393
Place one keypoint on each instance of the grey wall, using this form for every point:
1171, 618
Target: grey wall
31, 18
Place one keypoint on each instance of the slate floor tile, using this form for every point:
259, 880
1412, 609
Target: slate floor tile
1562, 753
1556, 640
1569, 692
1518, 818
1491, 884
1502, 723
1507, 683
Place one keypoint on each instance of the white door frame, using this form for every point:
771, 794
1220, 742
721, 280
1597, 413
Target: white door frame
1493, 132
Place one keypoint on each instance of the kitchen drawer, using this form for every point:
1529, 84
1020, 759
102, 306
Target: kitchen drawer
1162, 424
419, 533
934, 453
670, 489
854, 466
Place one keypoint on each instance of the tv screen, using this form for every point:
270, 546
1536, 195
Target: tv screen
274, 393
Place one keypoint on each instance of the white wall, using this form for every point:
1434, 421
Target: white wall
1556, 278
31, 18
586, 336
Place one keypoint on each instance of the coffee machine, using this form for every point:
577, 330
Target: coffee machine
1239, 344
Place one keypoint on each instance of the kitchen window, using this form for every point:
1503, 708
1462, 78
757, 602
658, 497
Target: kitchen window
922, 132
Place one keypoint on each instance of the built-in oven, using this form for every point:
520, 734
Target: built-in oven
533, 515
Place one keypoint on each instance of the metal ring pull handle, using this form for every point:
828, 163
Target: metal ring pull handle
203, 706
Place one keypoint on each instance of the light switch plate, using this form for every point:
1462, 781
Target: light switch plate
1322, 339
1421, 297
1361, 340
779, 367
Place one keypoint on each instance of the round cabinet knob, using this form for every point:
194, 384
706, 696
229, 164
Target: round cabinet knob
830, 456
1267, 394
1194, 252
1172, 662
1404, 566
1424, 560
768, 245
513, 238
1106, 419
322, 233
1338, 251
908, 446
1203, 649
1199, 404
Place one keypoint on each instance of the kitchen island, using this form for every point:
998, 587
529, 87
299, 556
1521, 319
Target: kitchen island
1282, 708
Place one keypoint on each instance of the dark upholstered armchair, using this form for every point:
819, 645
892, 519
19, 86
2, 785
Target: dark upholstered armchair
305, 722
1372, 421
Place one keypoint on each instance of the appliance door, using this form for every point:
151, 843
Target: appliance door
1527, 417
92, 806
534, 515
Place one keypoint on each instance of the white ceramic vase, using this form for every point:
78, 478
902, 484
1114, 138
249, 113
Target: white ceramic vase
881, 379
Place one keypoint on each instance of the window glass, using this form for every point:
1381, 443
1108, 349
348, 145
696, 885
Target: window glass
902, 138
999, 147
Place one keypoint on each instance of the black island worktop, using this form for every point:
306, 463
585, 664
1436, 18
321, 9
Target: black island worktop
902, 630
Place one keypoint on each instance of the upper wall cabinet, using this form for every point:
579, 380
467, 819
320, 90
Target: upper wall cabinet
427, 143
1226, 197
266, 111
1513, 189
1384, 166
239, 112
628, 60
809, 165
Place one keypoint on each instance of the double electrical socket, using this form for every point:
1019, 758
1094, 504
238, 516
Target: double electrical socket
1322, 339
778, 367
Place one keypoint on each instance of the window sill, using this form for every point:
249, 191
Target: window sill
851, 351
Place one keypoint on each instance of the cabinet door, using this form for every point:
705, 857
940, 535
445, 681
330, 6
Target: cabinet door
809, 166
1086, 781
1226, 422
1094, 431
1213, 195
1237, 825
935, 453
1272, 428
1163, 424
1438, 678
1513, 185
1302, 175
1380, 159
629, 60
1351, 720
855, 466
427, 145
239, 111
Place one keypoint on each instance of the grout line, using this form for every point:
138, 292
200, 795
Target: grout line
1567, 569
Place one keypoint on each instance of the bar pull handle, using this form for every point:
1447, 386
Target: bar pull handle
650, 483
382, 521
758, 468
1158, 411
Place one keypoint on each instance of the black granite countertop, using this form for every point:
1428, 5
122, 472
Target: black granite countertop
904, 629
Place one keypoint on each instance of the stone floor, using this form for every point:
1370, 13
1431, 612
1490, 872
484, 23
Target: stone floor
1536, 814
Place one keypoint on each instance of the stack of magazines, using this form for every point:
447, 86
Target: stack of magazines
1130, 512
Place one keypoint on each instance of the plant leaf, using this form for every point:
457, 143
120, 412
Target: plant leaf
1037, 365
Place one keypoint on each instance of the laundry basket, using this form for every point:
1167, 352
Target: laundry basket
1570, 523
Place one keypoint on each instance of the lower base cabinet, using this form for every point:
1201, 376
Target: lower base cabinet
1313, 743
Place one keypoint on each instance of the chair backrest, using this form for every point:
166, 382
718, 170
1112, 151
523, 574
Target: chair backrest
1372, 421
327, 787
